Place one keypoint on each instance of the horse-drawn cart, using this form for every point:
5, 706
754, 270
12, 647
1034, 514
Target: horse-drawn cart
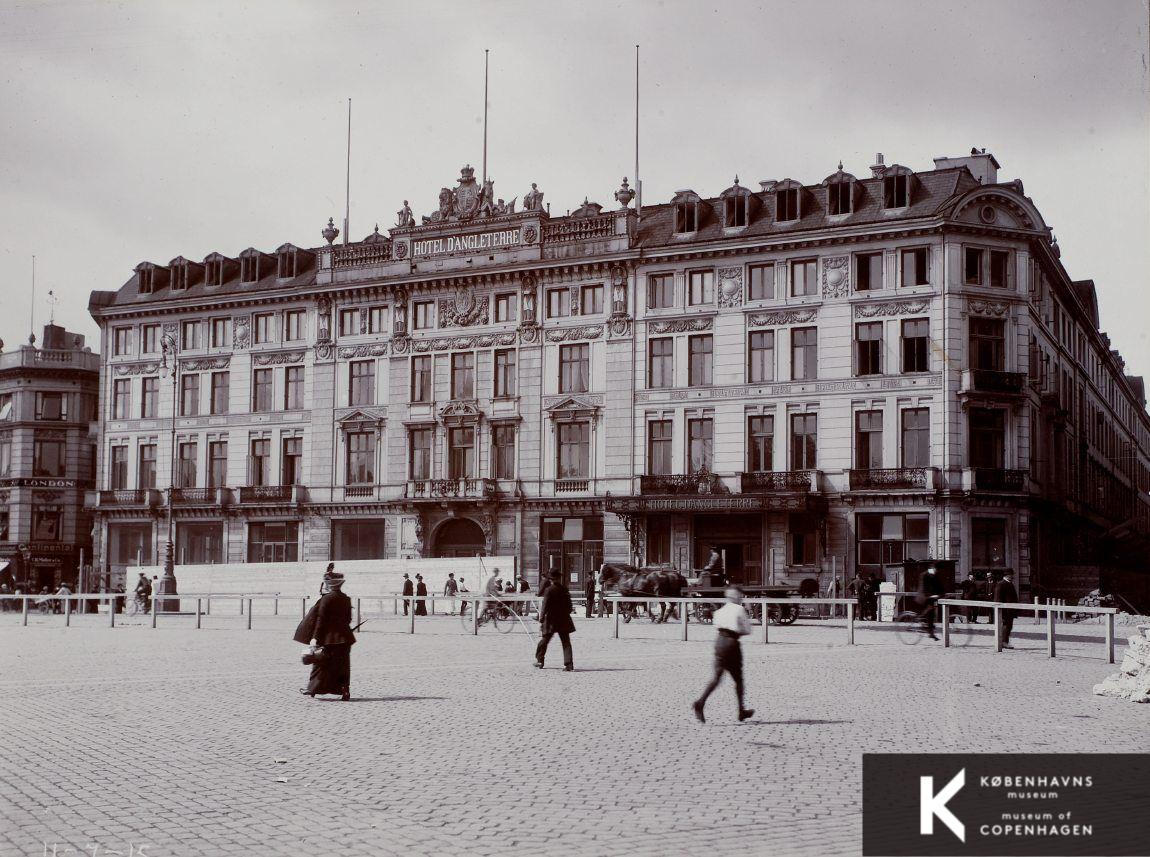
779, 614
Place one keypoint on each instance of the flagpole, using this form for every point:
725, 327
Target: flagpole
347, 188
485, 58
32, 309
638, 181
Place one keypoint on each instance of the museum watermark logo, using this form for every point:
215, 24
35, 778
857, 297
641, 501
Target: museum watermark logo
1035, 804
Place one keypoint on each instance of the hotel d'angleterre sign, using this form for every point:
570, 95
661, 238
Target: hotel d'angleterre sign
472, 242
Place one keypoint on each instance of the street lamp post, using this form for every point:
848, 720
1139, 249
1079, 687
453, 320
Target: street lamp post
167, 586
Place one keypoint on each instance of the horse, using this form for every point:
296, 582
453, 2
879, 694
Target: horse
640, 582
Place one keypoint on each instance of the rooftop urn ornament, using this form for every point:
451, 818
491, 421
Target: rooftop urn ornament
624, 194
330, 233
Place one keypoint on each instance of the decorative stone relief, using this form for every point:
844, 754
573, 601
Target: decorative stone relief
451, 343
991, 308
730, 287
836, 276
323, 319
788, 316
170, 327
529, 334
574, 303
620, 326
324, 351
464, 309
680, 325
570, 334
204, 364
378, 349
137, 368
241, 332
890, 308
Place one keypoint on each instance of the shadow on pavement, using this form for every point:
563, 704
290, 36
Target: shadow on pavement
389, 699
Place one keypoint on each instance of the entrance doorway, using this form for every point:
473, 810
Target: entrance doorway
459, 537
739, 540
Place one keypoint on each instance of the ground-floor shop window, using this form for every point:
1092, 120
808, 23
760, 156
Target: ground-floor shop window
276, 541
658, 540
885, 540
199, 544
365, 539
987, 543
802, 533
571, 545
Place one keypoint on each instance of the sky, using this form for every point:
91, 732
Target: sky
139, 131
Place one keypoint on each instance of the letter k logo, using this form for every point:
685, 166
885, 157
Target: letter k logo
932, 804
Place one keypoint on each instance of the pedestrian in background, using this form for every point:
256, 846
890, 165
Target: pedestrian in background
968, 591
589, 593
420, 589
731, 622
463, 590
328, 625
1005, 593
450, 588
555, 618
408, 590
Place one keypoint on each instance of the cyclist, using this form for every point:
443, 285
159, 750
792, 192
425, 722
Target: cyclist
929, 591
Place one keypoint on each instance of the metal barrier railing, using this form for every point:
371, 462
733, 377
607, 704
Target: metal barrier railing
1049, 609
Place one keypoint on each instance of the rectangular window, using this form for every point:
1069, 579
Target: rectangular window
987, 437
658, 540
273, 541
264, 328
361, 458
461, 453
762, 282
804, 277
260, 462
377, 319
118, 467
868, 440
150, 339
915, 345
293, 388
122, 341
220, 392
46, 523
987, 543
146, 466
802, 538
558, 303
506, 307
186, 475
868, 348
190, 336
760, 444
291, 469
660, 291
700, 288
502, 451
787, 205
149, 398
423, 315
987, 343
915, 270
221, 332
294, 320
48, 458
868, 272
839, 197
189, 395
761, 356
700, 445
51, 406
999, 269
973, 266
121, 399
916, 437
574, 368
361, 382
6, 407
896, 191
421, 378
884, 541
591, 300
421, 453
659, 433
463, 376
661, 362
349, 321
217, 464
505, 373
262, 388
804, 441
804, 353
574, 451
699, 360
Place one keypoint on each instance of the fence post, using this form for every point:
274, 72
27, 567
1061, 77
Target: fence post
946, 626
199, 607
112, 612
411, 614
249, 613
475, 617
276, 605
67, 611
616, 603
683, 618
432, 597
155, 600
1110, 638
998, 629
302, 607
24, 610
242, 606
851, 624
766, 618
1035, 609
1050, 633
208, 605
358, 611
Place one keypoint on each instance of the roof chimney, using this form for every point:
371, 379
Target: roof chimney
878, 167
981, 163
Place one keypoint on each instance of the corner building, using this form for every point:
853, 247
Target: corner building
812, 377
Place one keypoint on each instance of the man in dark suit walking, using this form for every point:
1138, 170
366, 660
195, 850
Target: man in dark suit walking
408, 589
555, 618
589, 592
1005, 593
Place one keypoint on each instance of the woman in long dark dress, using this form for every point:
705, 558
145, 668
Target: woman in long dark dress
328, 624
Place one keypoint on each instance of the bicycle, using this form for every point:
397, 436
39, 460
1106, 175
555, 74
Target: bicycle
910, 628
498, 613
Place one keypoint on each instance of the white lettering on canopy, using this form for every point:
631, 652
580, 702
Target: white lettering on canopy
474, 242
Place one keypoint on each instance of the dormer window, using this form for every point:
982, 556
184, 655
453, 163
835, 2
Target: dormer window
286, 259
214, 270
840, 193
896, 187
249, 268
179, 278
687, 214
787, 201
146, 279
735, 212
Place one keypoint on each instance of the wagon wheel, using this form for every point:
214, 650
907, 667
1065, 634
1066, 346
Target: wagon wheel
703, 612
755, 611
784, 614
627, 610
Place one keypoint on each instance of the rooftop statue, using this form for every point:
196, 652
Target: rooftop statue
533, 199
404, 218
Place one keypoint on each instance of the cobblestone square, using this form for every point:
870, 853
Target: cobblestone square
177, 741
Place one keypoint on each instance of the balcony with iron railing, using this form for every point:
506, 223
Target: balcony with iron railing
573, 486
699, 482
271, 494
123, 497
779, 481
993, 383
996, 479
217, 496
465, 488
894, 479
580, 229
